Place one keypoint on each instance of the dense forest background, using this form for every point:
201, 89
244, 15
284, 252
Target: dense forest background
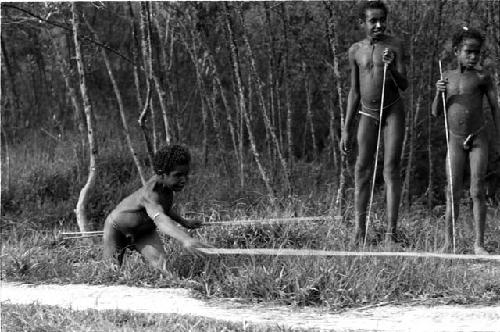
257, 90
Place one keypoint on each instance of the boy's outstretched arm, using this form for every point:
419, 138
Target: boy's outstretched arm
491, 94
352, 101
184, 222
437, 103
166, 224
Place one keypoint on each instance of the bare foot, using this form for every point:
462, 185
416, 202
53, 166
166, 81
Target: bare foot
479, 250
390, 245
359, 238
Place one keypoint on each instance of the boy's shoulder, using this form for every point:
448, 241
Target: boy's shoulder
356, 46
151, 188
154, 191
483, 73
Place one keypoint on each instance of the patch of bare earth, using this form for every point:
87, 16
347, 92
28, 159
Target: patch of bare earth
179, 301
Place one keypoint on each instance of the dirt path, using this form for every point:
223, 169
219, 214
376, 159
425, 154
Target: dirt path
179, 301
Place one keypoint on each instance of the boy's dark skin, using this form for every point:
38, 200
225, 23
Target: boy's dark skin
133, 223
465, 88
367, 58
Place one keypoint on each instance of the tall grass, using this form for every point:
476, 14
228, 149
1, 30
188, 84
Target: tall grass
46, 179
38, 318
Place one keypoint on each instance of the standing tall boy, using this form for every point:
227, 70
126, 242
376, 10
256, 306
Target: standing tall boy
366, 60
464, 89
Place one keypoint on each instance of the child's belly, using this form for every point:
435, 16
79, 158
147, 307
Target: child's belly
371, 91
464, 115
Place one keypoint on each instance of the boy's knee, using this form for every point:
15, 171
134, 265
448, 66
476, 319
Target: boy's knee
362, 168
477, 191
391, 172
159, 262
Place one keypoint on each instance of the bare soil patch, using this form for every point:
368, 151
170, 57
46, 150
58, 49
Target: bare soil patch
180, 301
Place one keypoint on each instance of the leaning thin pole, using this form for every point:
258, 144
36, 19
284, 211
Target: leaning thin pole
448, 159
328, 253
376, 155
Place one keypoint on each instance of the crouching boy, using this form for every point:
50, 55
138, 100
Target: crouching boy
134, 222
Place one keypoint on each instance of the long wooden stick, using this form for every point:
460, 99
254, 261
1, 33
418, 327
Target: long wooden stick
226, 222
327, 253
271, 220
448, 159
82, 233
367, 222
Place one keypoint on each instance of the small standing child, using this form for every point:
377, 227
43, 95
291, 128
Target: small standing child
133, 223
465, 88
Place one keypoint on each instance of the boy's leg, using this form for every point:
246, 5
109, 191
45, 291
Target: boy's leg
151, 248
114, 243
367, 144
394, 131
478, 165
457, 157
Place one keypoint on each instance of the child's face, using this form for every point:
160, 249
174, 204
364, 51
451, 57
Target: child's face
177, 178
374, 23
468, 53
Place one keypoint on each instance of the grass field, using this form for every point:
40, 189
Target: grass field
31, 318
41, 191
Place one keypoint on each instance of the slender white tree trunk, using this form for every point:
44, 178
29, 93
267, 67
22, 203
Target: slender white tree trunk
119, 100
340, 199
236, 71
258, 83
81, 213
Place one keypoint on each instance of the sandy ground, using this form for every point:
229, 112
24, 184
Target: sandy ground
179, 301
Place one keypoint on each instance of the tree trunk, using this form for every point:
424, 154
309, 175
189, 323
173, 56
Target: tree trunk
193, 50
430, 177
161, 90
271, 79
217, 128
228, 113
66, 73
333, 41
148, 65
409, 138
144, 128
286, 80
236, 71
407, 196
5, 151
135, 57
10, 77
146, 107
309, 114
151, 75
256, 80
119, 100
81, 213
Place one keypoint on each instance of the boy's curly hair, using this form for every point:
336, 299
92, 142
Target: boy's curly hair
466, 33
371, 4
168, 157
